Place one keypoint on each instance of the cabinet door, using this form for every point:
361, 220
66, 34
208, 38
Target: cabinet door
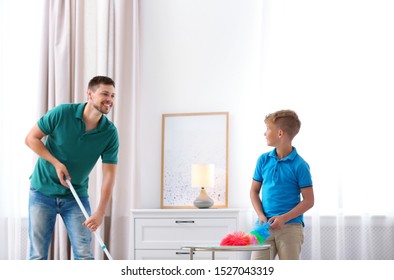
182, 255
175, 233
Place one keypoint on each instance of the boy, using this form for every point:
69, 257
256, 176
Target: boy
282, 175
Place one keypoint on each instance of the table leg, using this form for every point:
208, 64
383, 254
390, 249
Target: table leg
191, 253
213, 254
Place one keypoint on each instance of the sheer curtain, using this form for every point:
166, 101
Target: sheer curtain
19, 46
332, 62
76, 41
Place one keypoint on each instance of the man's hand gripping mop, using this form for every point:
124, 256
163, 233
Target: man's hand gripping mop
98, 238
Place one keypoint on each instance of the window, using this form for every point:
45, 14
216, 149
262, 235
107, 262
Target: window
20, 33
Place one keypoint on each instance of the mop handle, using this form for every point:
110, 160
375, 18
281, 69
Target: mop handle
98, 238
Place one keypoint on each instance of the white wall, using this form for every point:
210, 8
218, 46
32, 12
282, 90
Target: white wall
201, 56
331, 61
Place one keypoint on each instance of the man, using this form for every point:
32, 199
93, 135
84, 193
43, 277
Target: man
76, 136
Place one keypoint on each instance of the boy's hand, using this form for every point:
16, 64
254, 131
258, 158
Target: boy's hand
262, 219
277, 222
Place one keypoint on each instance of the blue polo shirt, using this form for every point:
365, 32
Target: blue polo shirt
76, 148
282, 181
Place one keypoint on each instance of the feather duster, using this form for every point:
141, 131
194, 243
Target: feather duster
239, 238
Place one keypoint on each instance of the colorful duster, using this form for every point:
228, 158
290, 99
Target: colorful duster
239, 238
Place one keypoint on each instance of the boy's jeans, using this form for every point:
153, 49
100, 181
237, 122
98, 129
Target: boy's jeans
42, 218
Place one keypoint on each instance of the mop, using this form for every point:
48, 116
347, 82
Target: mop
97, 235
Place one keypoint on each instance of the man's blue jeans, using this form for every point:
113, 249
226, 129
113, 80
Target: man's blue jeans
42, 218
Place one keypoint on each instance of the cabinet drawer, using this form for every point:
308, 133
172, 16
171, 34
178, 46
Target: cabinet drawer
175, 233
182, 255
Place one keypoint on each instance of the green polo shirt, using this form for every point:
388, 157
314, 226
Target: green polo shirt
76, 148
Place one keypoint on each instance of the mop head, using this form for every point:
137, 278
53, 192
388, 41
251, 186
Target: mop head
239, 238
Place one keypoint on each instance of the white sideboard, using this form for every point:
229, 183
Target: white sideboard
159, 234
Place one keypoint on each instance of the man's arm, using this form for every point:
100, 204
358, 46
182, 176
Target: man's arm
33, 141
256, 201
109, 174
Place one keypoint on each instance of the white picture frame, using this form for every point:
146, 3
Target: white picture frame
193, 138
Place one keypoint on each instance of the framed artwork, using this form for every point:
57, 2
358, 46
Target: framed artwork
188, 139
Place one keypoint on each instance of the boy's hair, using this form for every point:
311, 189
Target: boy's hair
96, 81
287, 120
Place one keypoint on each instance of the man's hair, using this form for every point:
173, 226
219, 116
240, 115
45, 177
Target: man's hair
287, 120
96, 81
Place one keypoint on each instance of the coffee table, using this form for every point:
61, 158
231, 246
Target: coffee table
214, 249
